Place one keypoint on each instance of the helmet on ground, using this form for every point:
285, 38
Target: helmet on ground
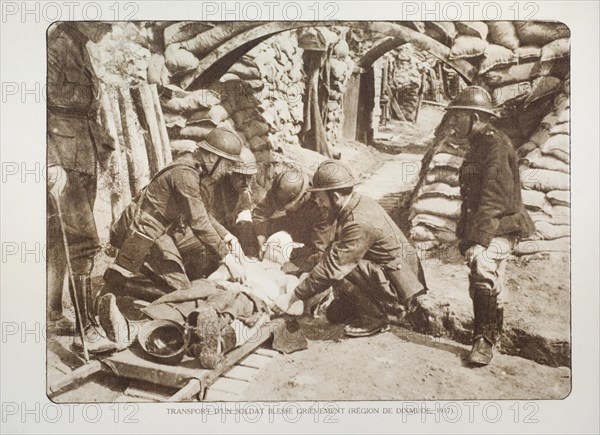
223, 142
333, 175
164, 341
473, 98
248, 164
289, 187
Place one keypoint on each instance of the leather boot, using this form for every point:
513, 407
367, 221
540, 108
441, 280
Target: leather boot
370, 318
485, 318
117, 327
216, 337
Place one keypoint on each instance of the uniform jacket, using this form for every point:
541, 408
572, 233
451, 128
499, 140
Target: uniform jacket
491, 191
75, 139
224, 202
173, 197
364, 231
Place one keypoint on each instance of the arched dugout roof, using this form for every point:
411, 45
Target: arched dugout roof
213, 65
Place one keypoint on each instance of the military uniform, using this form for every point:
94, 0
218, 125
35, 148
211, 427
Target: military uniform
171, 212
370, 261
307, 224
492, 213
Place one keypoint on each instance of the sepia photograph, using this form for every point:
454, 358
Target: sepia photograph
265, 210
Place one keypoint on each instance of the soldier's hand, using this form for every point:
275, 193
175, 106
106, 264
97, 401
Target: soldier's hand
57, 180
235, 268
473, 252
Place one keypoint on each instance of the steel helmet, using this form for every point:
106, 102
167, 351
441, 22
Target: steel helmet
332, 175
164, 341
289, 187
473, 98
223, 142
248, 164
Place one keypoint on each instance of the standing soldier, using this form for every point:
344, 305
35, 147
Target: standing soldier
492, 215
76, 142
148, 232
288, 206
370, 262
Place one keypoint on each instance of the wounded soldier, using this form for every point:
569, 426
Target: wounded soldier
219, 314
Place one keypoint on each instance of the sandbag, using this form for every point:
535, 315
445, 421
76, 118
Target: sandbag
155, 70
228, 76
540, 33
182, 145
477, 29
443, 159
505, 93
512, 74
244, 72
178, 59
536, 159
341, 49
503, 33
208, 40
528, 53
174, 120
243, 117
421, 234
259, 143
339, 69
446, 207
496, 56
559, 197
562, 128
549, 231
216, 114
197, 100
255, 128
555, 118
561, 215
540, 136
466, 47
433, 221
441, 31
439, 189
543, 87
536, 201
543, 179
442, 174
529, 247
555, 50
526, 148
557, 146
562, 102
196, 132
184, 30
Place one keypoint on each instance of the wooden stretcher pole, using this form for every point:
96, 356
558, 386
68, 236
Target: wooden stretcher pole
189, 390
76, 375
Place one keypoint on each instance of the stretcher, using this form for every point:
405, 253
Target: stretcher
189, 378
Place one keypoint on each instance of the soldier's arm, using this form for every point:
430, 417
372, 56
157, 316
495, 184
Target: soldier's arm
261, 213
496, 193
344, 255
208, 200
187, 189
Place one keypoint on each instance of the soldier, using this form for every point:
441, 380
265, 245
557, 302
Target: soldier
492, 215
76, 143
288, 206
148, 232
370, 263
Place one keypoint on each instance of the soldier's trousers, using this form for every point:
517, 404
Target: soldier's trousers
487, 269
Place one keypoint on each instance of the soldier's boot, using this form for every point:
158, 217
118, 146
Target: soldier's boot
485, 330
216, 337
95, 338
117, 327
370, 316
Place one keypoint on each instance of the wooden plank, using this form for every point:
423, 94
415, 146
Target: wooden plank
221, 396
120, 147
142, 98
256, 361
148, 392
162, 128
187, 392
233, 386
242, 373
137, 159
76, 375
267, 352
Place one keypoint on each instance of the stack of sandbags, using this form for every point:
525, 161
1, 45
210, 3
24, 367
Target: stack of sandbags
545, 176
436, 201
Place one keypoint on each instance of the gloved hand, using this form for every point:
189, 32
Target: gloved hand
57, 181
234, 245
288, 303
235, 268
473, 252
